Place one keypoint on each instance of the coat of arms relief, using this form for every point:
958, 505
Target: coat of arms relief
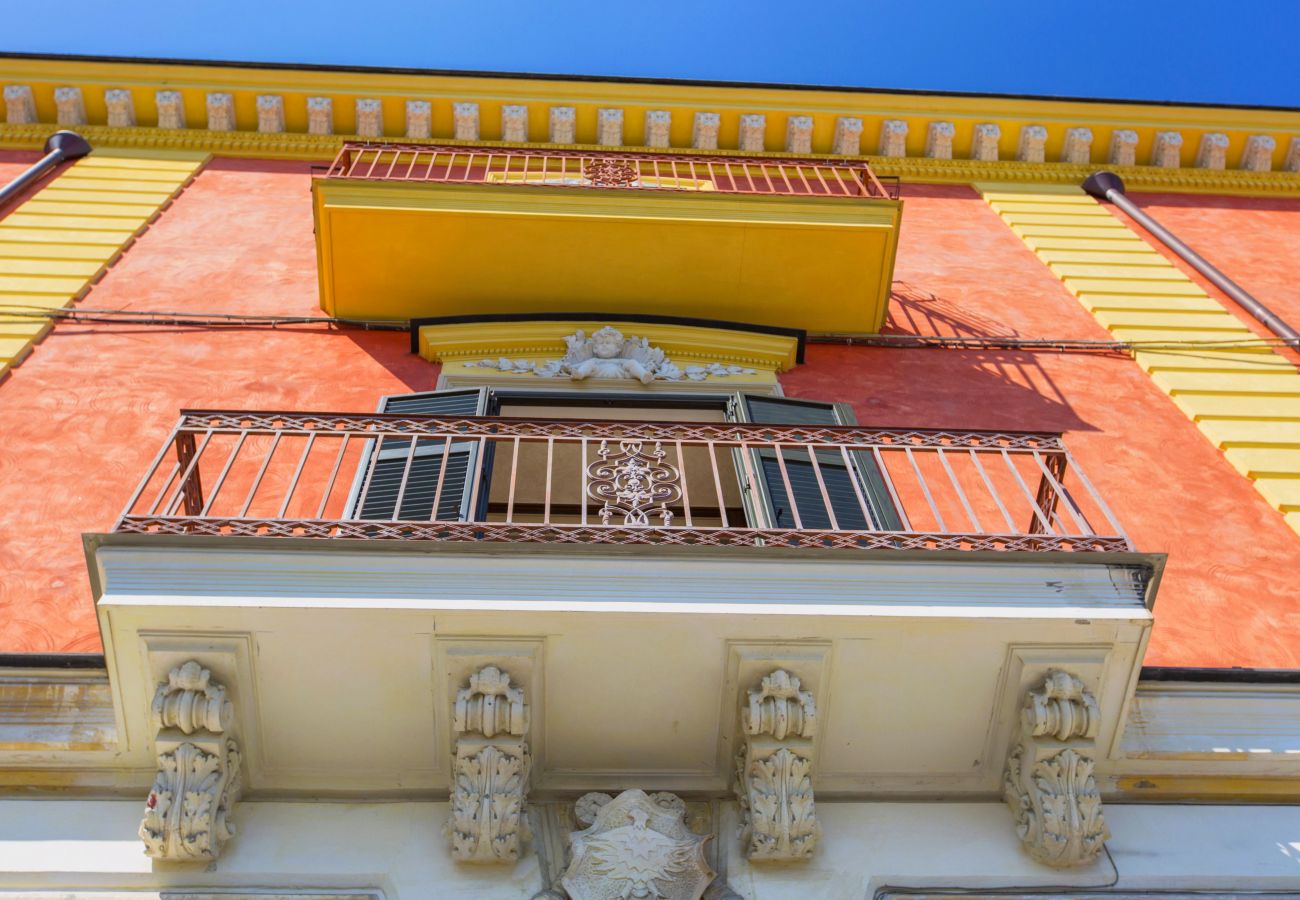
609, 355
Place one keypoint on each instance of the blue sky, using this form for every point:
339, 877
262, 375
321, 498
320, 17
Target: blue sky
1191, 50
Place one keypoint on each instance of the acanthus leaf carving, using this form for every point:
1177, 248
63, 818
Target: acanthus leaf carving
492, 767
773, 770
1049, 782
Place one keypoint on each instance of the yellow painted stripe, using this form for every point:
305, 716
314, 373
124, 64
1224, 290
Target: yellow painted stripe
57, 243
1246, 399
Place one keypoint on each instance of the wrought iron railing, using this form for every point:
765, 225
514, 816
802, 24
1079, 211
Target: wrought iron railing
488, 479
610, 169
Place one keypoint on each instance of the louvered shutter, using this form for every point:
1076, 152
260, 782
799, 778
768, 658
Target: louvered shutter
386, 463
838, 478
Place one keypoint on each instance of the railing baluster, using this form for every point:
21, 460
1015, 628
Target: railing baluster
478, 479
550, 466
893, 492
851, 471
686, 492
1033, 504
583, 476
821, 485
1116, 530
789, 491
1063, 495
334, 472
221, 479
961, 495
406, 477
514, 471
257, 482
925, 489
149, 474
997, 498
717, 483
442, 475
751, 482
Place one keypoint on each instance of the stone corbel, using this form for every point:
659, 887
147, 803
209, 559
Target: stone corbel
491, 768
187, 813
1049, 782
778, 723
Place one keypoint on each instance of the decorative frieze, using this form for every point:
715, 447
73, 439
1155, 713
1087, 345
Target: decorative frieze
1033, 144
514, 122
704, 132
221, 112
370, 117
635, 845
1049, 782
893, 138
938, 140
187, 812
20, 105
1167, 150
658, 125
491, 769
419, 119
270, 113
464, 121
1258, 155
778, 722
70, 106
1123, 147
562, 127
121, 108
320, 115
798, 134
753, 133
609, 127
171, 109
1078, 146
1213, 151
984, 142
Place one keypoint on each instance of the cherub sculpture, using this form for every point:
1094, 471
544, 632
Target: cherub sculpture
607, 354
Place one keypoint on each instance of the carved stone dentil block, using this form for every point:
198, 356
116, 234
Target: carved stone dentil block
1049, 782
1167, 150
1213, 151
187, 812
270, 113
938, 140
221, 112
121, 108
778, 722
658, 125
1033, 144
753, 131
171, 109
419, 119
320, 115
1292, 161
636, 846
514, 122
1123, 147
893, 138
609, 127
464, 121
798, 134
563, 125
984, 142
71, 106
1258, 155
20, 105
1078, 146
492, 766
704, 133
847, 139
370, 117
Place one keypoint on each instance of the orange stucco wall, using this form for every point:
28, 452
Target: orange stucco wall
83, 415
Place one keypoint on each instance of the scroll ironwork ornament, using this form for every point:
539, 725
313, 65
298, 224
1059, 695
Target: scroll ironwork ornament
773, 770
634, 483
1049, 782
492, 766
187, 812
636, 846
610, 172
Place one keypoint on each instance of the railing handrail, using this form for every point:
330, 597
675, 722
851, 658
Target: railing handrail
692, 165
201, 420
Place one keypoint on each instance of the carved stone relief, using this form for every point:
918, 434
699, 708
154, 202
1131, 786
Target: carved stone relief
491, 769
1049, 782
187, 812
778, 722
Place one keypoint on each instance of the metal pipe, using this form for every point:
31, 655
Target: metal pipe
1109, 186
60, 147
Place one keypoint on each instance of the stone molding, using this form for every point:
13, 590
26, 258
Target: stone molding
704, 131
658, 123
187, 812
270, 114
938, 140
419, 120
562, 124
609, 127
171, 109
1050, 782
1077, 149
121, 108
893, 138
848, 136
320, 115
71, 106
778, 724
465, 121
514, 122
491, 766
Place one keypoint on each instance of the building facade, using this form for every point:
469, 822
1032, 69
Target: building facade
425, 484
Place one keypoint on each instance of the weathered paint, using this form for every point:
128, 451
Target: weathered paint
86, 411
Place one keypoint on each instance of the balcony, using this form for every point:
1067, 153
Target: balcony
411, 231
483, 479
